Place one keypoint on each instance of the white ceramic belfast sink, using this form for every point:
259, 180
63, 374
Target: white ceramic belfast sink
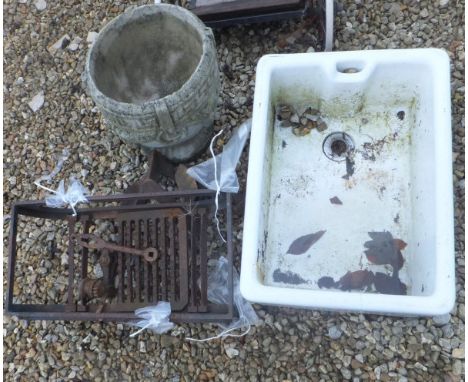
354, 212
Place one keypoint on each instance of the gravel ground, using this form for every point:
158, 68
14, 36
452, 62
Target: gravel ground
289, 345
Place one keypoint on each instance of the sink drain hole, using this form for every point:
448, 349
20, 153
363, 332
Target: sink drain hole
336, 146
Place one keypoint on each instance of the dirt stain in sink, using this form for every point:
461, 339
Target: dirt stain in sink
336, 200
349, 168
389, 284
303, 243
371, 150
382, 249
356, 280
326, 282
287, 277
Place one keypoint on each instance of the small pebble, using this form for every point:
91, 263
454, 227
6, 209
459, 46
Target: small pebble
231, 352
346, 373
37, 101
457, 367
334, 332
322, 126
61, 43
284, 112
92, 36
447, 331
441, 320
294, 118
74, 45
424, 13
40, 5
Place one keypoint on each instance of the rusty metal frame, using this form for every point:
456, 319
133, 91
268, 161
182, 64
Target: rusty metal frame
128, 203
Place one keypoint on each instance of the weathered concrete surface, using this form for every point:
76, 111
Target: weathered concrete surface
153, 74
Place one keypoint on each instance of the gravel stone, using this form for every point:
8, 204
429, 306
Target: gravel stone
457, 367
75, 44
458, 353
346, 373
36, 102
231, 352
61, 43
334, 333
447, 331
40, 5
294, 118
445, 343
441, 320
167, 340
92, 36
424, 13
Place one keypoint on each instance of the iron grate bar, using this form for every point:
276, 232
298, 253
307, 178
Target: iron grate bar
137, 259
203, 306
128, 269
163, 259
183, 268
85, 254
155, 264
172, 260
146, 289
193, 265
71, 262
120, 267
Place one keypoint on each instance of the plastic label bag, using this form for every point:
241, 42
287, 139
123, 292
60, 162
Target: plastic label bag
226, 162
218, 294
74, 194
155, 318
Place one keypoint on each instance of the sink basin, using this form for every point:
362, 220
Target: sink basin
354, 211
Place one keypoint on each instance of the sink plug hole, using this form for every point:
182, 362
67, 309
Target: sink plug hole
336, 146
